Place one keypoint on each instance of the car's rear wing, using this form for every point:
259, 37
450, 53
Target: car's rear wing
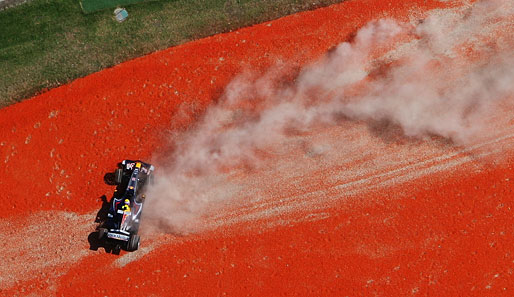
131, 165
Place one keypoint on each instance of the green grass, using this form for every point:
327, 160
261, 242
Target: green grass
47, 43
89, 6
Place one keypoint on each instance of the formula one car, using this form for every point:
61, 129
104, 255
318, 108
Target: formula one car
124, 215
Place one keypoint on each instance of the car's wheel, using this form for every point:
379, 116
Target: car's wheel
116, 250
139, 198
118, 175
101, 232
133, 243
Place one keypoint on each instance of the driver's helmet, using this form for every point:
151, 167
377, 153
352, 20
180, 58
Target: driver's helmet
127, 202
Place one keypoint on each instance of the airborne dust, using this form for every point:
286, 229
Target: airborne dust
443, 76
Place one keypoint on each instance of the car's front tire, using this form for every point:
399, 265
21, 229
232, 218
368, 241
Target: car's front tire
118, 176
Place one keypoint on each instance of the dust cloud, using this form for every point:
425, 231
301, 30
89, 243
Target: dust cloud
442, 76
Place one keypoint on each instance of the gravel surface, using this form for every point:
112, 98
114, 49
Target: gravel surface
336, 210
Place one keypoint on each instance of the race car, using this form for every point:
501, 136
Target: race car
123, 219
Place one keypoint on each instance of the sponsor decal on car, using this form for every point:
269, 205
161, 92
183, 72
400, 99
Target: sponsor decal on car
118, 236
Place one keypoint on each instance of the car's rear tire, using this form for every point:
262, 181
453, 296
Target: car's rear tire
101, 232
133, 243
118, 176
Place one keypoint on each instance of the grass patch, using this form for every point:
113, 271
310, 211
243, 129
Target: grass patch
47, 43
89, 6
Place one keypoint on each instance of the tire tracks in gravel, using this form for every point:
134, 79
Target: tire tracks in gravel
42, 245
316, 204
305, 204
